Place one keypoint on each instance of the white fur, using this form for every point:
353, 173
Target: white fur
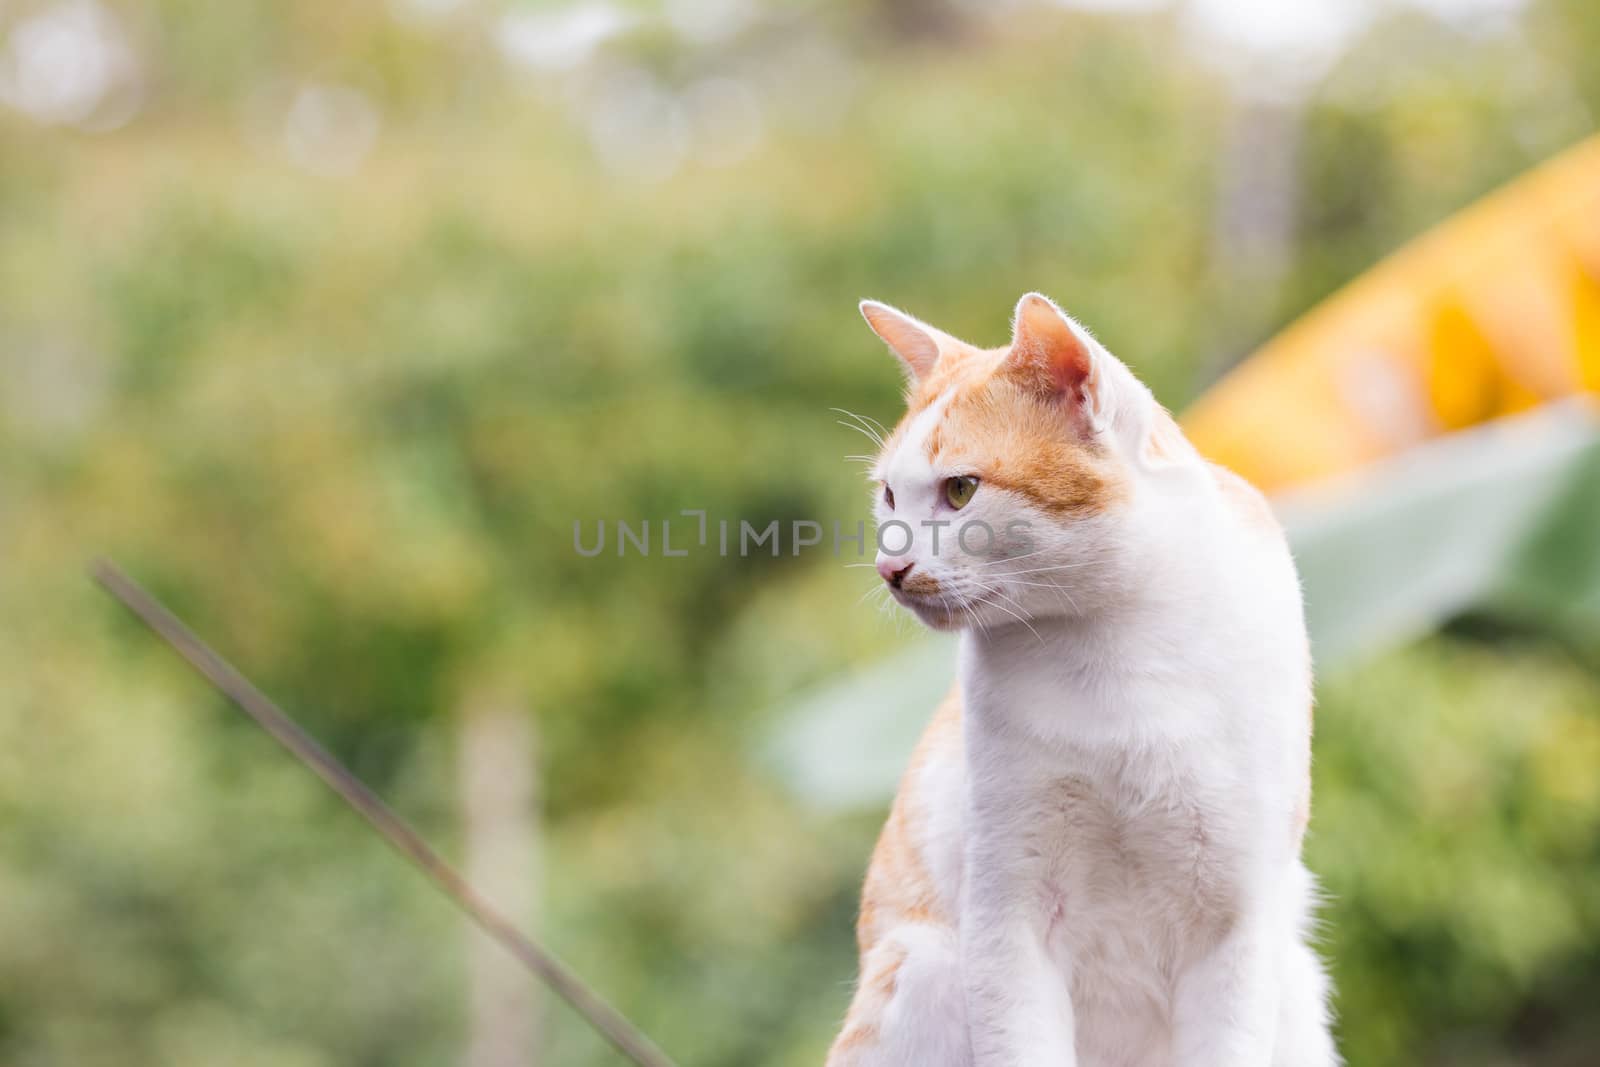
1120, 840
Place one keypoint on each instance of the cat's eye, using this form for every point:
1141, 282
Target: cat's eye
959, 490
888, 496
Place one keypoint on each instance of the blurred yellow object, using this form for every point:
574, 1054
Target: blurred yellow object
1492, 312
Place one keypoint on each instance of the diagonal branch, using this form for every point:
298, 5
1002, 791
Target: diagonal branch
602, 1016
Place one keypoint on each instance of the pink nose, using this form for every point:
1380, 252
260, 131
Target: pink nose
893, 569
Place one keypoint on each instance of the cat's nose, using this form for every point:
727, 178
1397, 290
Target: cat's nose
893, 569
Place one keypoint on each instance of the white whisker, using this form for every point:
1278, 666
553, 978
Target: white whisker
882, 429
863, 431
1046, 570
860, 425
1018, 616
1013, 559
996, 591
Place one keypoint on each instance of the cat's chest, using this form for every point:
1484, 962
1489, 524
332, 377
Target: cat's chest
1116, 854
1125, 811
1131, 887
1129, 865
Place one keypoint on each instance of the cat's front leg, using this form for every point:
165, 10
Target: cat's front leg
1018, 1008
909, 1008
1226, 1004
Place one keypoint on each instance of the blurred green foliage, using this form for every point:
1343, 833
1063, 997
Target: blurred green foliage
345, 423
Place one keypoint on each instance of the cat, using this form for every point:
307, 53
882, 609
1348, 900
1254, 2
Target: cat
1094, 856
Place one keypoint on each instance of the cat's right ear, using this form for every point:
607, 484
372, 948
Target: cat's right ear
1057, 358
916, 343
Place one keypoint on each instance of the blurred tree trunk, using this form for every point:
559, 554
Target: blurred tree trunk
924, 20
498, 795
1252, 239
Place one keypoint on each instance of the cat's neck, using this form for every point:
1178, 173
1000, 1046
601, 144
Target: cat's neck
1151, 662
1144, 640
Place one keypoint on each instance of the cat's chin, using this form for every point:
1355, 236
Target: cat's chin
936, 614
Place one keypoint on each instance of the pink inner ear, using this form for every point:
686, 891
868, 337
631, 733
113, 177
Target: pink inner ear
907, 338
1048, 346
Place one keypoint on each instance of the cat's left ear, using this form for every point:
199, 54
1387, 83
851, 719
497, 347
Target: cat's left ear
1055, 356
917, 344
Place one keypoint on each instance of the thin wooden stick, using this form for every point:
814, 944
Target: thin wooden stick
602, 1016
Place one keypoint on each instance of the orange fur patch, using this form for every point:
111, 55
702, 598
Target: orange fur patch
963, 366
881, 983
898, 889
853, 1037
1011, 438
999, 428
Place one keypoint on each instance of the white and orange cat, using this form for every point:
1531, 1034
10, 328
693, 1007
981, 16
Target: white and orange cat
1094, 858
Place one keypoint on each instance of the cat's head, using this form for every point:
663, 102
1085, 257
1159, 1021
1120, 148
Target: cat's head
1024, 481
